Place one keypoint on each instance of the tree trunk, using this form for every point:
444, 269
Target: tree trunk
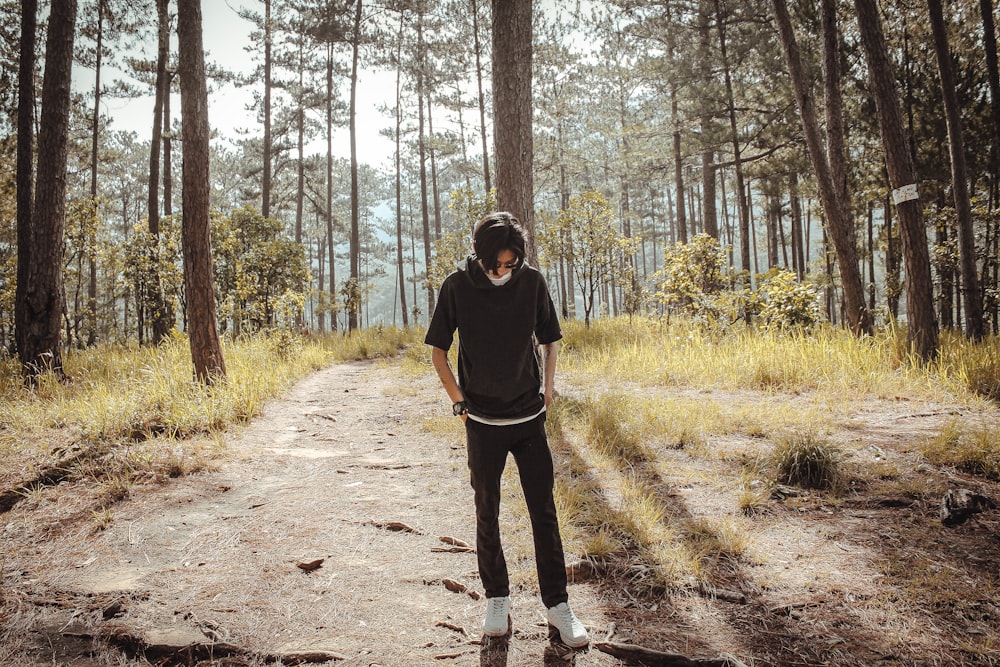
993, 75
682, 231
44, 298
265, 207
25, 162
972, 294
354, 304
829, 167
206, 348
892, 283
798, 254
91, 244
155, 301
399, 172
512, 109
329, 186
922, 328
482, 98
741, 202
422, 156
709, 217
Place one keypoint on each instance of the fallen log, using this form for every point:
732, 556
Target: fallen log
640, 655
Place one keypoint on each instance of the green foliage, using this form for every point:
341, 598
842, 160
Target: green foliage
146, 257
260, 277
782, 302
586, 235
693, 276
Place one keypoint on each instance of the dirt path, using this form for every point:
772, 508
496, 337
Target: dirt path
361, 467
322, 474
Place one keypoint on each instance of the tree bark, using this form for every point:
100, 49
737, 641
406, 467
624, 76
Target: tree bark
741, 202
399, 171
265, 207
682, 230
482, 98
512, 109
25, 163
45, 298
972, 294
155, 301
354, 285
422, 156
921, 325
206, 348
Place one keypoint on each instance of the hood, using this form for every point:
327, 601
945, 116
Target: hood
471, 268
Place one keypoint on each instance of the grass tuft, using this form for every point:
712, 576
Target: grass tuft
805, 461
975, 451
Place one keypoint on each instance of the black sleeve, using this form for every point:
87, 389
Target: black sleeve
441, 330
547, 328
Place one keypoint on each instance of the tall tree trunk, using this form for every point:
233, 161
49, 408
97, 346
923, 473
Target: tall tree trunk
168, 164
709, 216
155, 303
265, 207
203, 331
434, 176
827, 166
993, 75
682, 231
399, 172
741, 202
354, 286
892, 283
422, 156
332, 287
798, 254
972, 294
25, 162
512, 109
482, 98
922, 328
91, 244
45, 299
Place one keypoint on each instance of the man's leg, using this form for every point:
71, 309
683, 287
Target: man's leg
487, 458
534, 464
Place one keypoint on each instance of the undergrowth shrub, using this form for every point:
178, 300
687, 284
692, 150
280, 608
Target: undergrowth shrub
805, 461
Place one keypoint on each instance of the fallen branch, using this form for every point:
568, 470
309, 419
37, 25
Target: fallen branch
188, 653
653, 658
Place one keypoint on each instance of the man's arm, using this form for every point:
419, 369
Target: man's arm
439, 358
549, 370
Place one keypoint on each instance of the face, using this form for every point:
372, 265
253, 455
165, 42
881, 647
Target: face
506, 262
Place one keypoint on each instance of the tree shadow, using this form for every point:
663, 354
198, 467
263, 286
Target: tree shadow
647, 612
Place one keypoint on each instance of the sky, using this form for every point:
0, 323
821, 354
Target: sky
225, 37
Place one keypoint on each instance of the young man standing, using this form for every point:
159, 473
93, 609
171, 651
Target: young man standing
503, 312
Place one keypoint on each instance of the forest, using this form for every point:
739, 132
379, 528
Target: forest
768, 162
770, 229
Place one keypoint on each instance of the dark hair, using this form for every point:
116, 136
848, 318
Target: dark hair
494, 234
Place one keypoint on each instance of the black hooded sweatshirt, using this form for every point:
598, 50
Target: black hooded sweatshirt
498, 368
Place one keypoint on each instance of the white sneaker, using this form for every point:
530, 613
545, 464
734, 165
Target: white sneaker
497, 621
571, 630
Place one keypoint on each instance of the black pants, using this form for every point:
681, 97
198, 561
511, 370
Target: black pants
488, 447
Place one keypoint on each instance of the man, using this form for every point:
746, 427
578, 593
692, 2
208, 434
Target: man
503, 312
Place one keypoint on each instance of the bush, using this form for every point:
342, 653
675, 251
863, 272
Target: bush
804, 461
782, 302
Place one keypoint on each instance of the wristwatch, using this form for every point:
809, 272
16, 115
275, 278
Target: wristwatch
459, 408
